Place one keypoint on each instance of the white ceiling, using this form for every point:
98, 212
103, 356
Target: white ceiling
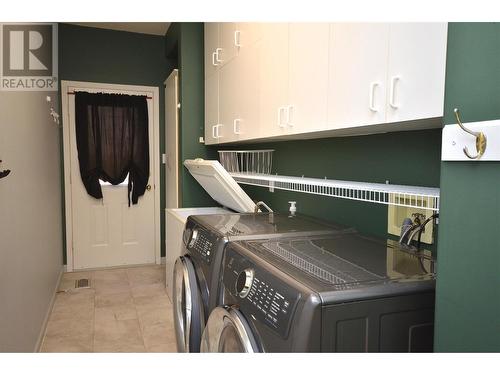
153, 28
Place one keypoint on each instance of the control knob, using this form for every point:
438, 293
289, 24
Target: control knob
194, 237
244, 282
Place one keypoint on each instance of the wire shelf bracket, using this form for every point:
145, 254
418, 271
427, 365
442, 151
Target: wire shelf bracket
398, 195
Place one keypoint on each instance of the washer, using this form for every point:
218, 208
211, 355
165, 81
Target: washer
339, 293
197, 274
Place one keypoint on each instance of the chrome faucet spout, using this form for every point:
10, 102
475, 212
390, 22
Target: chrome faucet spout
420, 228
262, 204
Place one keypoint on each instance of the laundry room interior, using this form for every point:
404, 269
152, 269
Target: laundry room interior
283, 185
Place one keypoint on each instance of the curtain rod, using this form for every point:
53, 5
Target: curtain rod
73, 93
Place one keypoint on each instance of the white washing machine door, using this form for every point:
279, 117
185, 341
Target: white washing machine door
189, 318
227, 331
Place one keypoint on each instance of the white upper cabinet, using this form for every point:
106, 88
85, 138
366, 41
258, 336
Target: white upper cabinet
385, 73
416, 71
358, 74
273, 67
265, 80
307, 77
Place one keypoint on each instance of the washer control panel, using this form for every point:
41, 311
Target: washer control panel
201, 243
260, 293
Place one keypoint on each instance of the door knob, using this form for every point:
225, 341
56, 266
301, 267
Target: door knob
148, 187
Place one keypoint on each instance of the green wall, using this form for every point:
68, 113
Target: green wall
108, 56
187, 37
411, 158
468, 285
407, 158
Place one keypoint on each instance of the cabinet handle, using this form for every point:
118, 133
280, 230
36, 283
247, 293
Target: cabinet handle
236, 126
217, 127
371, 103
289, 115
237, 38
280, 117
217, 51
392, 101
214, 60
214, 128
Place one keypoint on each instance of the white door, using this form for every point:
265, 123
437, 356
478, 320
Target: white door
358, 74
107, 232
274, 79
417, 63
308, 72
171, 143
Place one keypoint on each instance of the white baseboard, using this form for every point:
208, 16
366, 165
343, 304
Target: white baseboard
163, 260
38, 345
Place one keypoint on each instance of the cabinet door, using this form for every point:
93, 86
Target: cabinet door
307, 76
248, 91
228, 39
239, 89
273, 68
228, 100
416, 73
211, 108
211, 44
357, 74
249, 33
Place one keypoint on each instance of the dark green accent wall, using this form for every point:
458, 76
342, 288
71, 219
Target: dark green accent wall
108, 56
468, 285
187, 37
407, 158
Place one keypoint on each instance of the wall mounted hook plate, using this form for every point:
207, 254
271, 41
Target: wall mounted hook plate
455, 140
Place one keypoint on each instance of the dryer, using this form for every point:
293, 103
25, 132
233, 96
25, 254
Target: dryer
337, 293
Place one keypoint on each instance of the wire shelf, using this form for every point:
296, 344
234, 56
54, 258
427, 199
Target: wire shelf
398, 195
247, 161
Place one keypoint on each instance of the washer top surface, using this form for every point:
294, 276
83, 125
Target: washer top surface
271, 225
347, 262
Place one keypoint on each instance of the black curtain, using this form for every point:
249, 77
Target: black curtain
112, 141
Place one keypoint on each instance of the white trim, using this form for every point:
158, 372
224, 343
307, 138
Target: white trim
175, 162
41, 336
70, 86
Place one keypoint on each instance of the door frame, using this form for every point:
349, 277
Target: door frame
150, 91
175, 143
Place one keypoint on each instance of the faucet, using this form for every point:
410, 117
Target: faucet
420, 229
262, 204
409, 226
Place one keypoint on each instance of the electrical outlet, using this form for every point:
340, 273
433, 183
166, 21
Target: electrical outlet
396, 215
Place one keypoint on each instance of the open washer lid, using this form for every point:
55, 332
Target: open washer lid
212, 176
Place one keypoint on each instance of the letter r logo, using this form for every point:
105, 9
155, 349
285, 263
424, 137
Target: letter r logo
27, 50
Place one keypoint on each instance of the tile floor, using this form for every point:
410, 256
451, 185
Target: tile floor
125, 310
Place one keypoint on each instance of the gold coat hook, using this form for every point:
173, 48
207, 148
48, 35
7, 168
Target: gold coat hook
480, 138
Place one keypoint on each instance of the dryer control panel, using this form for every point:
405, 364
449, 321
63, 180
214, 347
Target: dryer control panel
259, 293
